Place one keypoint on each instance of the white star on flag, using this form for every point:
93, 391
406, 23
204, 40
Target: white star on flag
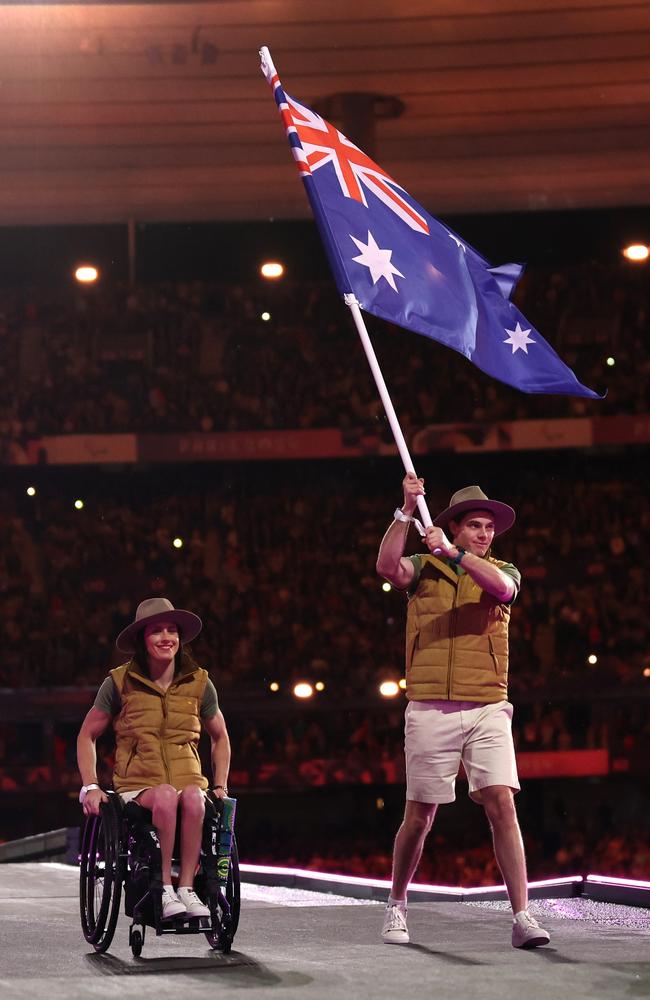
457, 242
519, 339
376, 260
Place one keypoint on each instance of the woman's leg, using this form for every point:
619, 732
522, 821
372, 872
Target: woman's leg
192, 813
163, 802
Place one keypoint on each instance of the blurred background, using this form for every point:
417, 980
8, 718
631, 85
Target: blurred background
174, 421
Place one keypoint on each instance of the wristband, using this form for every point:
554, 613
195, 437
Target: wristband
85, 789
461, 552
223, 787
399, 515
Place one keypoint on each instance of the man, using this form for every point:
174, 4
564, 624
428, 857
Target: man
456, 684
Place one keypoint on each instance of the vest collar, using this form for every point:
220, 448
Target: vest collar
133, 669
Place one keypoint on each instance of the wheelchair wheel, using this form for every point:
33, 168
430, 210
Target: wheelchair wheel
224, 924
136, 940
101, 875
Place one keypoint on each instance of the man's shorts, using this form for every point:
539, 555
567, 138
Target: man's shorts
439, 734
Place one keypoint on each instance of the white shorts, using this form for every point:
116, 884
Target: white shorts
130, 796
439, 735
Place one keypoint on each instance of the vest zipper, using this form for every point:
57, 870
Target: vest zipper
452, 624
163, 751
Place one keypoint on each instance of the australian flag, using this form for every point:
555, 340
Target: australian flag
405, 266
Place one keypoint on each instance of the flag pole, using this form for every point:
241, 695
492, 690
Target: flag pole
353, 305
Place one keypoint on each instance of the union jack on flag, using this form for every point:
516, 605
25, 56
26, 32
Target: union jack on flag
322, 144
408, 268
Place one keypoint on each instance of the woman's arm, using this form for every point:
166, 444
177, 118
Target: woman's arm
220, 752
92, 727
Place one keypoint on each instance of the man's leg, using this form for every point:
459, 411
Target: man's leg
499, 804
418, 817
409, 842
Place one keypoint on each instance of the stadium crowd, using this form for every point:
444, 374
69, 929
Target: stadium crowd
199, 357
280, 564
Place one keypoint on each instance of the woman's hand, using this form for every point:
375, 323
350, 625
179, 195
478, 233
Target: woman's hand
220, 791
92, 801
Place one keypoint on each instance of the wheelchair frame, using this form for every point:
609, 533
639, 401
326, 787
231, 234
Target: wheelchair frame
120, 847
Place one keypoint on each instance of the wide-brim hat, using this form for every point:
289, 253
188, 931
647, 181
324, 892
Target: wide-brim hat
159, 609
473, 498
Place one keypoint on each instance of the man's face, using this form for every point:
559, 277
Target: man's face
474, 532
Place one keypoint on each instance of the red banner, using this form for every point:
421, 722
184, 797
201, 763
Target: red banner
518, 435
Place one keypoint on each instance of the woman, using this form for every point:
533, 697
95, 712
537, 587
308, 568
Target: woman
157, 703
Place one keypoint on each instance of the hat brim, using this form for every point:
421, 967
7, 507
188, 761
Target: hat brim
504, 516
189, 626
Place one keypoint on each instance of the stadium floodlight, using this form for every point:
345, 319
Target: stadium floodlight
272, 269
636, 252
86, 274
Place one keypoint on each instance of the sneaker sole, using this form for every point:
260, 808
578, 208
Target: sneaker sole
394, 940
533, 943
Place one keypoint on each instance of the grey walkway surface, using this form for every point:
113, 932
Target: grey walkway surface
297, 944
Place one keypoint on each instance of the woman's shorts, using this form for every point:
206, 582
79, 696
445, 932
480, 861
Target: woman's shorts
439, 735
130, 796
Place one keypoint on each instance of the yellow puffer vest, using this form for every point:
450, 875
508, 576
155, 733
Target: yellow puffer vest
456, 638
157, 732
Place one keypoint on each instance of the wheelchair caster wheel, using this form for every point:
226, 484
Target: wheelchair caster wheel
136, 940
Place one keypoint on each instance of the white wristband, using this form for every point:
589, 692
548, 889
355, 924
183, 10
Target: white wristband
85, 789
399, 515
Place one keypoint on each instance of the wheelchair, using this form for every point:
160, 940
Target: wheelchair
120, 847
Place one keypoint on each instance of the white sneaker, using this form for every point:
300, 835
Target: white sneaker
526, 932
191, 903
395, 930
171, 904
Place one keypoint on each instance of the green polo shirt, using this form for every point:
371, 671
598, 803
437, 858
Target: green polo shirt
508, 568
108, 700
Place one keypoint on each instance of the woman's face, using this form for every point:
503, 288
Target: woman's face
161, 641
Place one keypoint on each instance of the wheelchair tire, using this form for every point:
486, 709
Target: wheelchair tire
101, 875
221, 937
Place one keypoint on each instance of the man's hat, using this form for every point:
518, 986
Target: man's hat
473, 498
156, 609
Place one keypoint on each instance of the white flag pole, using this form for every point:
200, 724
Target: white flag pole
353, 305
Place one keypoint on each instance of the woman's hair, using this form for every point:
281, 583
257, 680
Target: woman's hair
183, 656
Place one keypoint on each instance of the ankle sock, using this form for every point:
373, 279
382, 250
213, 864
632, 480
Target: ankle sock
396, 902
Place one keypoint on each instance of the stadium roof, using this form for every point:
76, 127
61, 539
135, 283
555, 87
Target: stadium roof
158, 111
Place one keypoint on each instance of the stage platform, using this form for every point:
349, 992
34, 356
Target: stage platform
296, 943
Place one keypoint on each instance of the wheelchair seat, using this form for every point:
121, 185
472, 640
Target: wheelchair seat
121, 847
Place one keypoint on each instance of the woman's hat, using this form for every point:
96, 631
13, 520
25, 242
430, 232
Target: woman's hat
473, 498
156, 609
